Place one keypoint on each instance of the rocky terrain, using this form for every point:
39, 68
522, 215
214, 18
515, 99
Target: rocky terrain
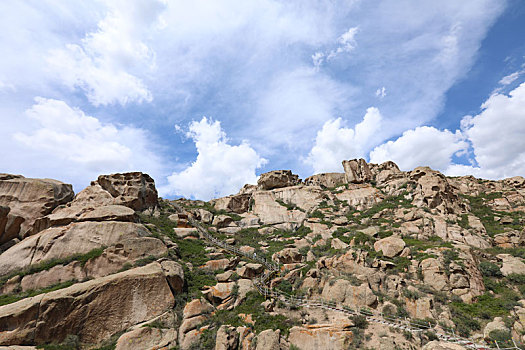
369, 258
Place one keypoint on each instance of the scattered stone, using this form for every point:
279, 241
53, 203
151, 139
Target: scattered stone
390, 246
277, 179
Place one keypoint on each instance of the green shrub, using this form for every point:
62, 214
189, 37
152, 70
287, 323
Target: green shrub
489, 269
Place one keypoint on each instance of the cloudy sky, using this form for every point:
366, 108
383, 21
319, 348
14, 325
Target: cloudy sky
206, 95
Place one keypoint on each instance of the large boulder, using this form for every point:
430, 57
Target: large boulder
268, 340
361, 196
357, 171
324, 336
435, 192
135, 190
390, 246
344, 292
442, 345
288, 256
64, 241
326, 180
277, 179
28, 200
511, 264
239, 203
93, 310
149, 338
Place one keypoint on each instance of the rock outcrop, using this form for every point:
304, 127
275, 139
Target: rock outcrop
357, 171
93, 310
277, 179
28, 200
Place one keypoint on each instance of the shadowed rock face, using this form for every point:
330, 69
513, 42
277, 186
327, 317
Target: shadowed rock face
28, 200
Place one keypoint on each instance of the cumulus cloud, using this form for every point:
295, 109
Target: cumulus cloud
75, 147
421, 146
220, 168
335, 143
494, 137
99, 64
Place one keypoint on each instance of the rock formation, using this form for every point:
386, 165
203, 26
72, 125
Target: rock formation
352, 256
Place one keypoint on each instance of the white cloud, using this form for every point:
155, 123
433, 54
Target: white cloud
422, 146
335, 143
509, 79
494, 137
75, 147
220, 168
497, 137
99, 64
381, 93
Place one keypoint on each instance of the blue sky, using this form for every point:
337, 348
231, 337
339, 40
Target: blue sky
205, 96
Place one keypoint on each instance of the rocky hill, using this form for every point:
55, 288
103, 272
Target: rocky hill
372, 258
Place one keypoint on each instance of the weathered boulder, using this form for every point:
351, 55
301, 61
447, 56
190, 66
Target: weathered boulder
442, 345
64, 241
357, 171
194, 314
277, 179
511, 264
28, 200
336, 336
250, 270
390, 246
93, 310
343, 291
239, 203
174, 274
434, 191
149, 338
135, 189
288, 256
326, 180
268, 340
361, 196
227, 338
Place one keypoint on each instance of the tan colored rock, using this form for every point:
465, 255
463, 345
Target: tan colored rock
434, 192
250, 270
326, 180
28, 200
357, 171
433, 274
227, 338
277, 179
54, 275
135, 189
288, 256
197, 307
147, 338
338, 244
239, 203
325, 336
442, 345
343, 291
61, 242
511, 264
220, 292
361, 196
390, 246
419, 308
174, 274
93, 310
183, 232
268, 340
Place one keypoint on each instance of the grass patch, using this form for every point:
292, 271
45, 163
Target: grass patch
12, 298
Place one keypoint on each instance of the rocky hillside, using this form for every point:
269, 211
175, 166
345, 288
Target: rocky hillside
372, 258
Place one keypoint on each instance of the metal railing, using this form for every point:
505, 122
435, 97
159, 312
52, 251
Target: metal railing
403, 323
